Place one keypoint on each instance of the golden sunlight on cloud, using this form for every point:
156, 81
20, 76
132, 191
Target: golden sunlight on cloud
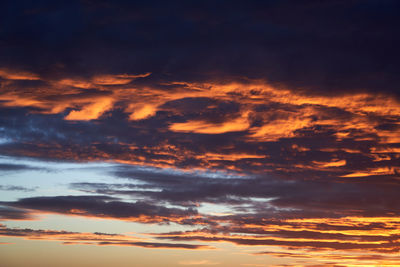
17, 75
204, 127
80, 83
377, 171
15, 100
230, 157
268, 113
96, 238
279, 129
366, 241
260, 112
91, 111
334, 163
116, 79
142, 112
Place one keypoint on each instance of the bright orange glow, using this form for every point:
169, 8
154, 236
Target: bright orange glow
335, 163
377, 171
143, 112
279, 129
236, 125
91, 111
231, 157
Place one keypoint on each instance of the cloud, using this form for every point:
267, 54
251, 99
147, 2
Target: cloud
16, 188
300, 237
266, 119
101, 239
105, 207
117, 79
283, 114
298, 218
236, 125
9, 167
17, 75
322, 54
91, 111
156, 245
265, 212
9, 213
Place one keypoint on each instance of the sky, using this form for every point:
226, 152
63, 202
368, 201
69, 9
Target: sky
199, 133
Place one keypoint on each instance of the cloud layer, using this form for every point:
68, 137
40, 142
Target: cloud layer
270, 124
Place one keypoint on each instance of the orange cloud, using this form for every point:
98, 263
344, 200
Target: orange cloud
231, 157
93, 110
334, 163
279, 129
101, 239
371, 172
204, 127
17, 75
268, 114
119, 79
365, 240
142, 112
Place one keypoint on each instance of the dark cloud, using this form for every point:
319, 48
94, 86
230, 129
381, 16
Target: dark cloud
9, 167
339, 245
324, 46
9, 213
104, 206
277, 233
280, 198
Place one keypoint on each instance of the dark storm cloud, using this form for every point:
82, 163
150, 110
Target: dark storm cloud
316, 45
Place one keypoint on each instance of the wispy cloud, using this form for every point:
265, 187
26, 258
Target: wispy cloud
101, 239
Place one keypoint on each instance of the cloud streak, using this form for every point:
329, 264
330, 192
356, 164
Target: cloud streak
100, 239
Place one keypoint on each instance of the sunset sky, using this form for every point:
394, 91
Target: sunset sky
199, 133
